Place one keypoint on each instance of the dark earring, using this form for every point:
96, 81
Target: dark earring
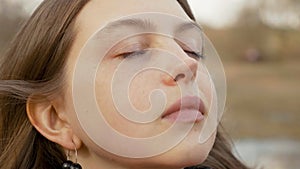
69, 164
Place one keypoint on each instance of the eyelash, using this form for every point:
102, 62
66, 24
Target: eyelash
195, 55
133, 53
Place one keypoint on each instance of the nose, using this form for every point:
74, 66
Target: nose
183, 72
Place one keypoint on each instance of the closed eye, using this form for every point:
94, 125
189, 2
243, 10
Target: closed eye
195, 55
133, 53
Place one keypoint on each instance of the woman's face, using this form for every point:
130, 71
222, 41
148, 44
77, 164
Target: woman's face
122, 87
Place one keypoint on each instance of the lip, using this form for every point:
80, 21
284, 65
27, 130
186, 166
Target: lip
185, 109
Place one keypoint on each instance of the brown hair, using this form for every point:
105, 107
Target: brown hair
34, 64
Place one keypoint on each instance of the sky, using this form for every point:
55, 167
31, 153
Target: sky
216, 13
30, 5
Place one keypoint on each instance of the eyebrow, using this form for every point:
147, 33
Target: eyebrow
144, 24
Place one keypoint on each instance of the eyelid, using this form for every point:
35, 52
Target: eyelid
131, 47
186, 49
133, 53
130, 44
198, 55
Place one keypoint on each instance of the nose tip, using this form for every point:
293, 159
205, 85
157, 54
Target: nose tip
184, 72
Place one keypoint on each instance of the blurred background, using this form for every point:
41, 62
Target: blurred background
258, 42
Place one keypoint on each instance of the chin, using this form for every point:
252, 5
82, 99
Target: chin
186, 154
192, 157
193, 153
193, 161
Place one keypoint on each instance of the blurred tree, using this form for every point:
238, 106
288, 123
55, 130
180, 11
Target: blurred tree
284, 14
280, 14
271, 27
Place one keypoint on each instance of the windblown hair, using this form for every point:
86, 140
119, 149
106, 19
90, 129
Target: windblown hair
34, 65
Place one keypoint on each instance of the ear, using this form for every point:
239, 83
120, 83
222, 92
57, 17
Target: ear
50, 119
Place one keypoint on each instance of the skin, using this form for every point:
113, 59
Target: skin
56, 118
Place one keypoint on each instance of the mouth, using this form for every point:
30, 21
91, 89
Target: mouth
188, 109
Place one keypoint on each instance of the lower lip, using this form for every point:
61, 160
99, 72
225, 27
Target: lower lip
185, 116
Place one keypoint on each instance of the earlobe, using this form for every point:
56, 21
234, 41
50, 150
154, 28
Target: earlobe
51, 122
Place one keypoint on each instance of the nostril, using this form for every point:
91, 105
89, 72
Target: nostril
179, 76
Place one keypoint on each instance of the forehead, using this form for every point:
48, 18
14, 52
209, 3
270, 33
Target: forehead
98, 13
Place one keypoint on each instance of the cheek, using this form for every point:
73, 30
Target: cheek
205, 84
141, 90
137, 92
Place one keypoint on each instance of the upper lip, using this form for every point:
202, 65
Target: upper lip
186, 102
